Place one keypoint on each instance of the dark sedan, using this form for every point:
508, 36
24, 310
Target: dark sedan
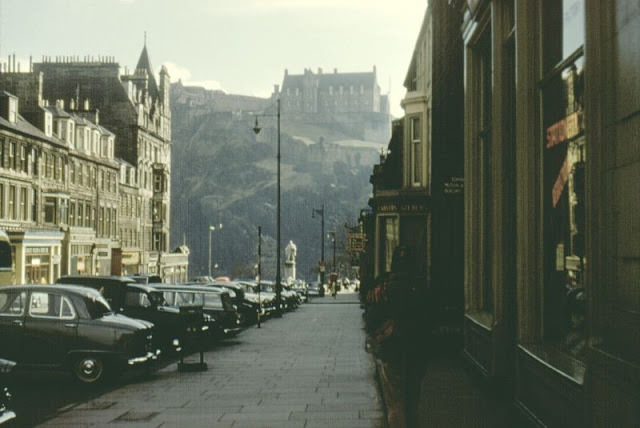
70, 328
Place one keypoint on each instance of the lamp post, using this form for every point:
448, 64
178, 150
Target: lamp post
320, 212
259, 273
211, 230
257, 129
332, 235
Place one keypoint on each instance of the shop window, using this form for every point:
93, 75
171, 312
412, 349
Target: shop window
481, 153
564, 154
389, 238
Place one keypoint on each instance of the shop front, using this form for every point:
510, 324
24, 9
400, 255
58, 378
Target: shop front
37, 256
77, 251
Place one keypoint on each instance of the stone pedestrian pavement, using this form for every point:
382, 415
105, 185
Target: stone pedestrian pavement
306, 369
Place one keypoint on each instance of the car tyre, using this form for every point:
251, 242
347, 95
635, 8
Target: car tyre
88, 369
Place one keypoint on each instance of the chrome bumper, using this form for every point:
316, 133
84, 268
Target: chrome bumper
149, 356
6, 416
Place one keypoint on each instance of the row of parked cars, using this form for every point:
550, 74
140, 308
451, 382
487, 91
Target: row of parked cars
96, 327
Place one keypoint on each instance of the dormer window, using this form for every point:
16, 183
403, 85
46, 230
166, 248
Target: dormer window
48, 124
13, 110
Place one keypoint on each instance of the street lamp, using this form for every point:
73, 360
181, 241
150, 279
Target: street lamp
211, 230
332, 235
320, 212
257, 129
259, 273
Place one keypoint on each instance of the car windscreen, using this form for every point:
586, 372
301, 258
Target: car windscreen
97, 306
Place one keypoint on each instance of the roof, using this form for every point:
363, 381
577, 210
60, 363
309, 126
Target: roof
26, 128
145, 64
73, 288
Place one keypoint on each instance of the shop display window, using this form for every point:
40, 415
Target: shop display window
564, 150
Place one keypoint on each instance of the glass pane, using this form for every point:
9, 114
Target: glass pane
564, 207
563, 24
12, 303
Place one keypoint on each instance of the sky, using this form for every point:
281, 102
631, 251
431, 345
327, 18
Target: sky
238, 46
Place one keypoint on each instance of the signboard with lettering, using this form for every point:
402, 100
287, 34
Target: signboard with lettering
455, 185
356, 242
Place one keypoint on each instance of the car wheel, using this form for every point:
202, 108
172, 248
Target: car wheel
88, 369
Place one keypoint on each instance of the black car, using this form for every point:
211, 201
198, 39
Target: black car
139, 301
70, 328
6, 414
214, 302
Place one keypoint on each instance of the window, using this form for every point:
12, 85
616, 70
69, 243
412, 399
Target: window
56, 161
101, 221
60, 169
389, 238
24, 165
80, 218
12, 155
564, 151
72, 213
24, 214
12, 203
50, 210
483, 139
51, 305
12, 303
2, 200
416, 151
157, 182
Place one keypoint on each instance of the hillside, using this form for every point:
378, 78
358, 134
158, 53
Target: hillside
223, 173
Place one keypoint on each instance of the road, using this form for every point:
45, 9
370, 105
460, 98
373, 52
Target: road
306, 369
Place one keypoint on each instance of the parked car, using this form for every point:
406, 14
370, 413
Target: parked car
247, 307
214, 302
139, 301
266, 300
6, 414
300, 287
315, 289
70, 328
289, 299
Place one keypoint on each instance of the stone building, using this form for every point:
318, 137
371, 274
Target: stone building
551, 231
95, 166
551, 227
351, 100
135, 107
417, 186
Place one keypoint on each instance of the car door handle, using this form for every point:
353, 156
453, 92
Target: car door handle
19, 323
70, 325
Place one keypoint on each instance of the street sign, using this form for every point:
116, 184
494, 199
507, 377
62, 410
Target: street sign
356, 242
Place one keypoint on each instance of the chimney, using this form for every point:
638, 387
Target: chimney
319, 70
335, 71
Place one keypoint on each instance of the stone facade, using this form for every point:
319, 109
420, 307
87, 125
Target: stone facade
97, 161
